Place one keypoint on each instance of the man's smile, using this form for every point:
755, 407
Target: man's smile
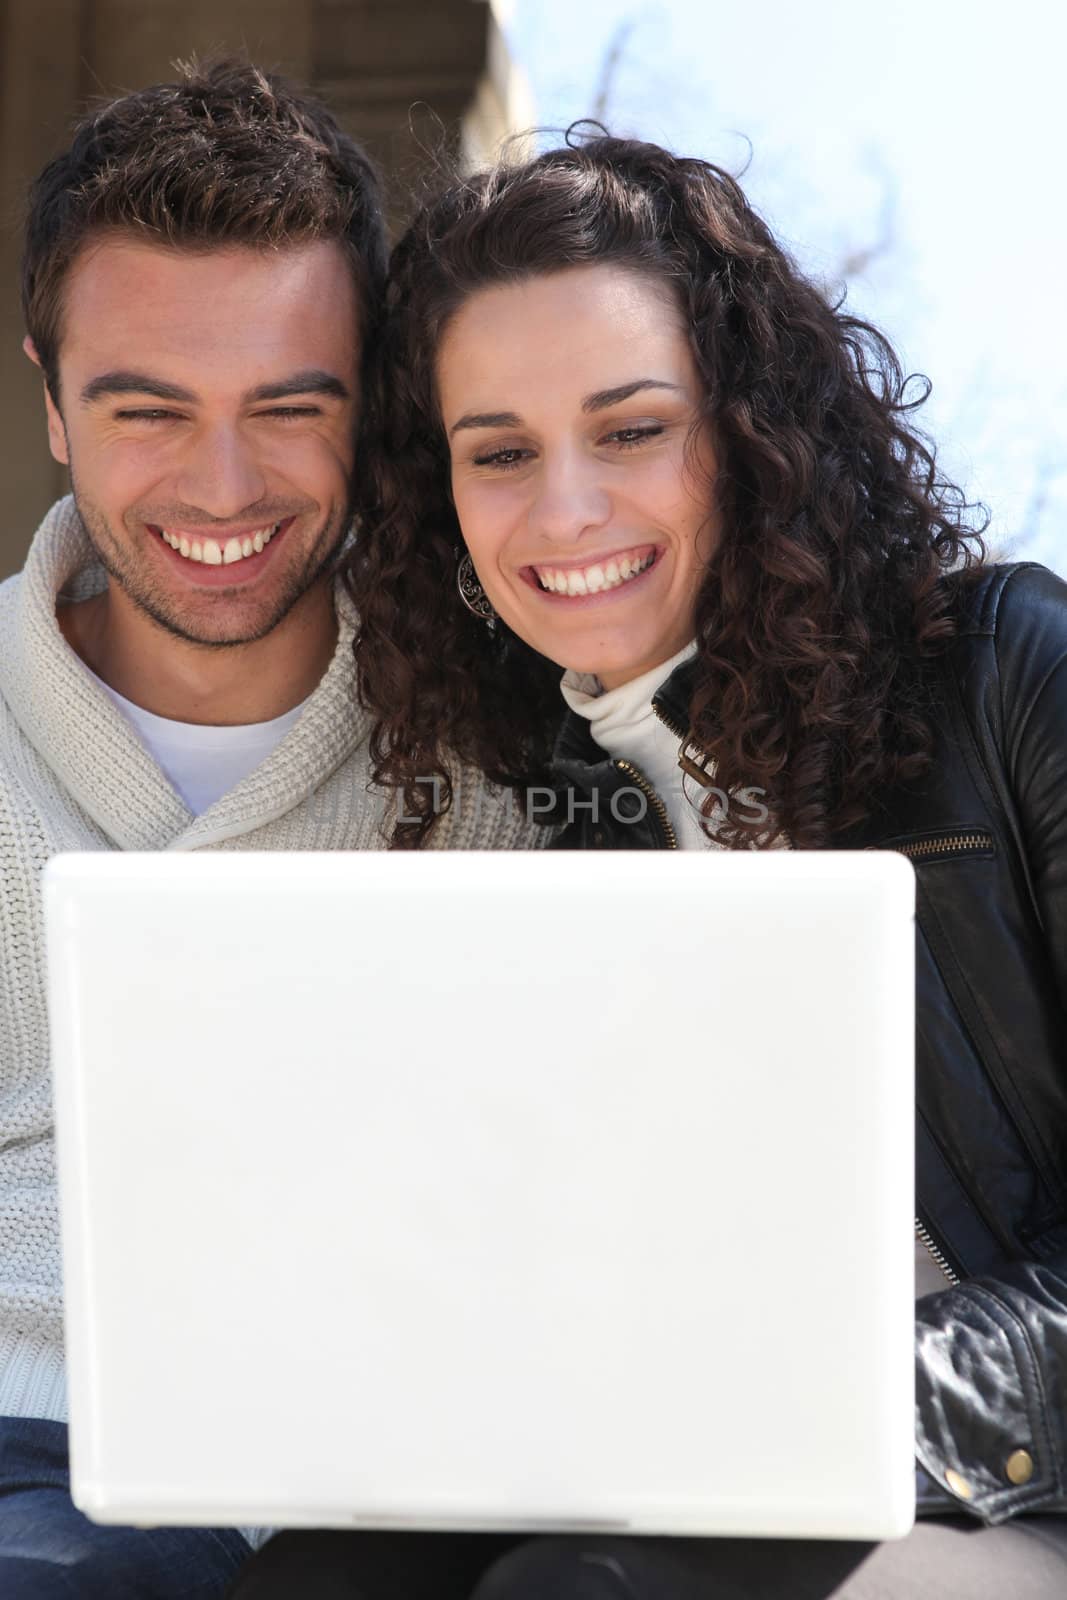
218, 552
236, 556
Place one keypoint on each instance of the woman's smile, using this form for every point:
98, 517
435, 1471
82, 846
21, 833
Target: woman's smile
603, 577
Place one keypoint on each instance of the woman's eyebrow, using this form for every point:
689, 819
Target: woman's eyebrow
604, 398
600, 401
486, 419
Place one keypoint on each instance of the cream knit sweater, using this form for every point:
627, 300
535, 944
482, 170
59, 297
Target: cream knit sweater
73, 776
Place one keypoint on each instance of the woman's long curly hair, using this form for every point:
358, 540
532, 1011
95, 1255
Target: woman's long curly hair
842, 546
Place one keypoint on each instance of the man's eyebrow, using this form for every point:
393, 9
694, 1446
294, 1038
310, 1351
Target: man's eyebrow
603, 398
124, 382
314, 380
486, 419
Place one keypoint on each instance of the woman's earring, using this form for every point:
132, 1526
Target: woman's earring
472, 594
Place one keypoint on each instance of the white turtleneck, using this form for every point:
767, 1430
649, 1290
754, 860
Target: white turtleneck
624, 724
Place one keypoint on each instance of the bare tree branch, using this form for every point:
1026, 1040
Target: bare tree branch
859, 258
609, 68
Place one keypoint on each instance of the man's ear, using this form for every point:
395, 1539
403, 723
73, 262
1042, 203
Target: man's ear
57, 433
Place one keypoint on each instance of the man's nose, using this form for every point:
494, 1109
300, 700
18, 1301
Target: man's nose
222, 474
570, 499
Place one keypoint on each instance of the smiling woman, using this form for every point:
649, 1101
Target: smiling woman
683, 492
604, 382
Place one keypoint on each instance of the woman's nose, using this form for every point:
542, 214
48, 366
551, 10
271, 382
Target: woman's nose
570, 499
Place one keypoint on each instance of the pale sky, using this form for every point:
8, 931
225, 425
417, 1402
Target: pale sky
947, 117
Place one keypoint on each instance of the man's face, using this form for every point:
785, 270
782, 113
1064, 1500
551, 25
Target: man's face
207, 412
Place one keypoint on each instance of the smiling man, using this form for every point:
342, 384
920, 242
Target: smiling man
206, 408
202, 267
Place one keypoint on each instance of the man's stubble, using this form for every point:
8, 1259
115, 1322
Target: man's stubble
153, 601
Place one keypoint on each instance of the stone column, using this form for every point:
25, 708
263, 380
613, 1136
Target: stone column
40, 83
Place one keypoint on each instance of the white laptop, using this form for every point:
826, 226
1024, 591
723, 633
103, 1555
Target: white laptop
485, 1191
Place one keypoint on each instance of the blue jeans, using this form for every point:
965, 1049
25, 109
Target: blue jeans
50, 1551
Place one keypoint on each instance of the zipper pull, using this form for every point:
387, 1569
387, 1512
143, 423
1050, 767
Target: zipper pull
697, 765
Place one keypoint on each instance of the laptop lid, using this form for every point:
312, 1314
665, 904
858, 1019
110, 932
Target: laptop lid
532, 1190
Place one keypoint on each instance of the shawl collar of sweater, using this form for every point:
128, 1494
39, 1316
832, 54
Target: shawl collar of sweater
94, 752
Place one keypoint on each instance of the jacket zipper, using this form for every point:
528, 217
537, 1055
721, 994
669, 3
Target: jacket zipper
945, 844
917, 848
693, 767
926, 1239
646, 788
668, 722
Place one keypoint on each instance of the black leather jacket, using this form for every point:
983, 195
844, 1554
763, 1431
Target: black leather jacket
988, 836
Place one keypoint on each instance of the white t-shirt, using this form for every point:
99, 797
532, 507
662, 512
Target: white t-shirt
201, 762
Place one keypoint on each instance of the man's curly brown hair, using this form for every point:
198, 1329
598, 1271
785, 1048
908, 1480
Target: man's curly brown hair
842, 546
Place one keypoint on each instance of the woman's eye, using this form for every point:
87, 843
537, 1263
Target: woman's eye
629, 438
501, 459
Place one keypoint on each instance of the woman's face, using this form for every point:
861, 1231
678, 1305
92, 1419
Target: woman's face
569, 401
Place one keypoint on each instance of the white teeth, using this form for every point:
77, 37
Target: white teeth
593, 580
216, 554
